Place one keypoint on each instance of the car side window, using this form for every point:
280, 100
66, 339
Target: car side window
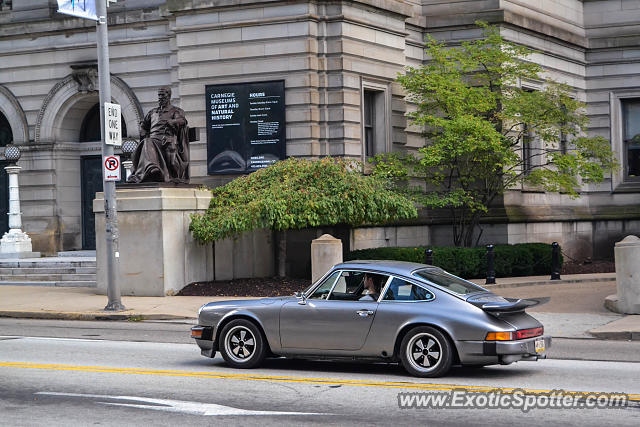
358, 286
401, 290
348, 286
322, 291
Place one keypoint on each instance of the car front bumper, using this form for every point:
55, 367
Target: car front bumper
204, 338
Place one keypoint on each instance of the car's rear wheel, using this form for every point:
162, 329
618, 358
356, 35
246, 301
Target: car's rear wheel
426, 352
242, 344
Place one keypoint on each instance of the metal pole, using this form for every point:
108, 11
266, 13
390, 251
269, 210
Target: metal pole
110, 209
428, 257
491, 271
555, 261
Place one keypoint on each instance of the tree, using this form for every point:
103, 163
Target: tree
294, 194
485, 134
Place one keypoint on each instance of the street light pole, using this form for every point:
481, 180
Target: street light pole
110, 209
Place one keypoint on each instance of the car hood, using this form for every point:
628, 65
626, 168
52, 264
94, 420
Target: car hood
237, 303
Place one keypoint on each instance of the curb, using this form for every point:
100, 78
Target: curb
617, 335
546, 282
63, 315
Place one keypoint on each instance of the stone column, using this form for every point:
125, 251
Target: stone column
326, 251
15, 243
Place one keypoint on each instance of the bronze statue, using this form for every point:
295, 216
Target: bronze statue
163, 152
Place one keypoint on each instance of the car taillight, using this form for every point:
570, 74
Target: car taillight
517, 335
499, 336
529, 333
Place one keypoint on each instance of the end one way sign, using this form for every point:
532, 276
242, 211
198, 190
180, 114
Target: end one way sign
112, 125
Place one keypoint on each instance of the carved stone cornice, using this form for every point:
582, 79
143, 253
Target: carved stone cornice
86, 75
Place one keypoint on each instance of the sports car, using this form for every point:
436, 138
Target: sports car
415, 314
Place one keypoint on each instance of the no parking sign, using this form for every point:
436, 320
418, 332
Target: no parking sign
111, 168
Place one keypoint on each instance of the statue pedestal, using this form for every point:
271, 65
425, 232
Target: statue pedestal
158, 255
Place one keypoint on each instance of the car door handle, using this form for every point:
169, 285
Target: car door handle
364, 313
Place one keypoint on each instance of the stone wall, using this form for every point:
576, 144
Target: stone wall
37, 48
613, 30
324, 52
327, 53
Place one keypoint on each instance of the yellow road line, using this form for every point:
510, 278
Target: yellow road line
275, 378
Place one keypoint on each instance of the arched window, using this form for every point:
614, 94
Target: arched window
90, 129
6, 136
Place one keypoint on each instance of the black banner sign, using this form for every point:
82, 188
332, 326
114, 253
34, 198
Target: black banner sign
245, 126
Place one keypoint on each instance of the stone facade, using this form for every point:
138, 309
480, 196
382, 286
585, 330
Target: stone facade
330, 55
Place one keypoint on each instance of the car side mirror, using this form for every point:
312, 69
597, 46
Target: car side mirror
302, 299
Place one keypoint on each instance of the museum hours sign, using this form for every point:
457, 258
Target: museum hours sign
245, 126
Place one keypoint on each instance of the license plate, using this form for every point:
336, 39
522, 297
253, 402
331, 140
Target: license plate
539, 345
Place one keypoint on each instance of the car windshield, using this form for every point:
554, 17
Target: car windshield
448, 281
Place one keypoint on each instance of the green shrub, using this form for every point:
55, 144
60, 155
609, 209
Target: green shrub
525, 259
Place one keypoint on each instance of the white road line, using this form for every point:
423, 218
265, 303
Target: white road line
178, 406
50, 338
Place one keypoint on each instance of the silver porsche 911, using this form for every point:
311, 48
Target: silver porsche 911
415, 314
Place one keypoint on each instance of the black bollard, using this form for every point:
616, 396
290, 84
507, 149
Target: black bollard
555, 261
491, 271
428, 257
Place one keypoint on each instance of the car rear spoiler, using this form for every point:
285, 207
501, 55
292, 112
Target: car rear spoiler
510, 305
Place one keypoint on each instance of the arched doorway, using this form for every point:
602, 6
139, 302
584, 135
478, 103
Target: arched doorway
91, 174
6, 136
69, 123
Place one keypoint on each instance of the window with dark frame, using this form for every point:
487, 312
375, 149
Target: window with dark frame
369, 121
631, 137
527, 140
563, 142
6, 135
563, 135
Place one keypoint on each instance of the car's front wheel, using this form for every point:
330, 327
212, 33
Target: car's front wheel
242, 344
426, 352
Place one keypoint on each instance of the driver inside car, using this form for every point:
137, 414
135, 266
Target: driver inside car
372, 286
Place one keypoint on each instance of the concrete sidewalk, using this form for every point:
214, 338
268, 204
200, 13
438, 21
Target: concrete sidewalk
41, 302
576, 309
512, 282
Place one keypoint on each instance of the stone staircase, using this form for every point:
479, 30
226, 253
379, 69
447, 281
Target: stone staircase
53, 271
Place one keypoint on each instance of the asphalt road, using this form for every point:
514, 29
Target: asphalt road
79, 373
178, 332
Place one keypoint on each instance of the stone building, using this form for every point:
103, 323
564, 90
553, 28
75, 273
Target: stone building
338, 60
